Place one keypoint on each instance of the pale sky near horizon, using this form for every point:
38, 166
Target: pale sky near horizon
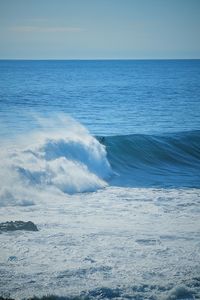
99, 29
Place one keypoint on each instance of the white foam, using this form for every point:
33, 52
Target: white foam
68, 159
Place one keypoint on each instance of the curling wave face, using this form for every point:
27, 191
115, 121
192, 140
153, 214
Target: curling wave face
150, 160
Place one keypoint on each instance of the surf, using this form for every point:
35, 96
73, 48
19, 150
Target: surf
63, 157
66, 160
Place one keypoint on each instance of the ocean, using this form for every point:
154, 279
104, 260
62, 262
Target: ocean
104, 157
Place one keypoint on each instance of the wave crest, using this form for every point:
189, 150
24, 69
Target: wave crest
69, 161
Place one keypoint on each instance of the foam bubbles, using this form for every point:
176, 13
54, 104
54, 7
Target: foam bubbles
67, 159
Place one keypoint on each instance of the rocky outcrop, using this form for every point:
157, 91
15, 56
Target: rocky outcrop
18, 225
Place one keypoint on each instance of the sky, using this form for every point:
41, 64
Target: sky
99, 29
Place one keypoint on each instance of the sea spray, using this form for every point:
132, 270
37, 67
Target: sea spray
66, 160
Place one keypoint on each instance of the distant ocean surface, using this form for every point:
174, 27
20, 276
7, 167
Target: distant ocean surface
108, 97
104, 157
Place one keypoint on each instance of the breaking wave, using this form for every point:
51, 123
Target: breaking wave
66, 161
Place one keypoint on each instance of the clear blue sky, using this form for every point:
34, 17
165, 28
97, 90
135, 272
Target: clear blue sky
90, 29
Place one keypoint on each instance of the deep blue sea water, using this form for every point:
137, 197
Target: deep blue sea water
108, 97
104, 156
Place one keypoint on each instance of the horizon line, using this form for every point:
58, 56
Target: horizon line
92, 59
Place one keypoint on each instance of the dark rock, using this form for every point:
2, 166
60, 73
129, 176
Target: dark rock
18, 225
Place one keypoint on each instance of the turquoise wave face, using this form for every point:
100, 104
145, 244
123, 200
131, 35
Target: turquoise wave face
169, 160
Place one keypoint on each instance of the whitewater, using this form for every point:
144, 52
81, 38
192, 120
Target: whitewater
104, 158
